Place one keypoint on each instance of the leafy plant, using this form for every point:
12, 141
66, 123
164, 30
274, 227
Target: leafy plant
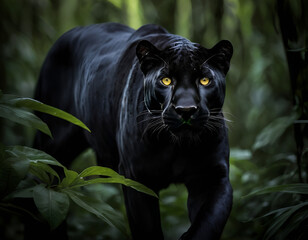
30, 173
287, 222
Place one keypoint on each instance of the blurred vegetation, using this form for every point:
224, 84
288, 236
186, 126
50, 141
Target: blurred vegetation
267, 101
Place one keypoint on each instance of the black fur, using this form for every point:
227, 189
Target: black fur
109, 76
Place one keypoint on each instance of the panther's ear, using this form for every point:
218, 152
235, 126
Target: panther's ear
148, 55
144, 49
221, 55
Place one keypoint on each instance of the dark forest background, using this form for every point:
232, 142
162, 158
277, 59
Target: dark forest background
266, 103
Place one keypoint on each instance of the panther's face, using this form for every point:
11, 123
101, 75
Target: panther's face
184, 85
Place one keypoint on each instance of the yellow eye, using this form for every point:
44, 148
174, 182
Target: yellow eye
205, 81
166, 81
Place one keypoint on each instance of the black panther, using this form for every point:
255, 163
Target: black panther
153, 101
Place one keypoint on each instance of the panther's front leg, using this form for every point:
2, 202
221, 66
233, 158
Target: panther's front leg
209, 206
143, 215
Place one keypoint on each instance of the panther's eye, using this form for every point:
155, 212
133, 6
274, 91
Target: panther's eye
166, 81
205, 81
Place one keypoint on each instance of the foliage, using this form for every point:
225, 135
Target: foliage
292, 219
266, 100
10, 107
28, 173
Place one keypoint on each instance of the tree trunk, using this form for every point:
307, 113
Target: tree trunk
293, 21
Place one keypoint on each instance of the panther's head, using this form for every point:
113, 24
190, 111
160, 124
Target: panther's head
184, 84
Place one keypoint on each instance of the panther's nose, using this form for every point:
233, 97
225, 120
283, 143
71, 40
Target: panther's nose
186, 111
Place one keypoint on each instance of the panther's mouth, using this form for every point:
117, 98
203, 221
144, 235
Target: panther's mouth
187, 122
185, 132
183, 126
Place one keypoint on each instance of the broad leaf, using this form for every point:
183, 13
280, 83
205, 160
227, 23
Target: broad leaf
41, 107
106, 213
41, 174
51, 204
82, 182
127, 182
114, 177
33, 155
13, 169
139, 187
23, 117
70, 177
101, 171
39, 162
42, 168
73, 180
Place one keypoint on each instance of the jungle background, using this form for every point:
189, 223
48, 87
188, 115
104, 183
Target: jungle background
266, 103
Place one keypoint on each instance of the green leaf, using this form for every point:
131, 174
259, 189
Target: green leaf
33, 155
39, 167
83, 182
23, 117
298, 188
106, 213
13, 169
10, 109
127, 182
37, 160
41, 107
101, 171
70, 177
41, 174
84, 160
139, 187
283, 215
273, 131
114, 178
73, 180
51, 204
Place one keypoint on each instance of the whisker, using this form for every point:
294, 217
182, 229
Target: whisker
160, 129
217, 123
220, 118
217, 111
149, 119
155, 125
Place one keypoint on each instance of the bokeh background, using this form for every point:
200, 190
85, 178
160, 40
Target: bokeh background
265, 102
